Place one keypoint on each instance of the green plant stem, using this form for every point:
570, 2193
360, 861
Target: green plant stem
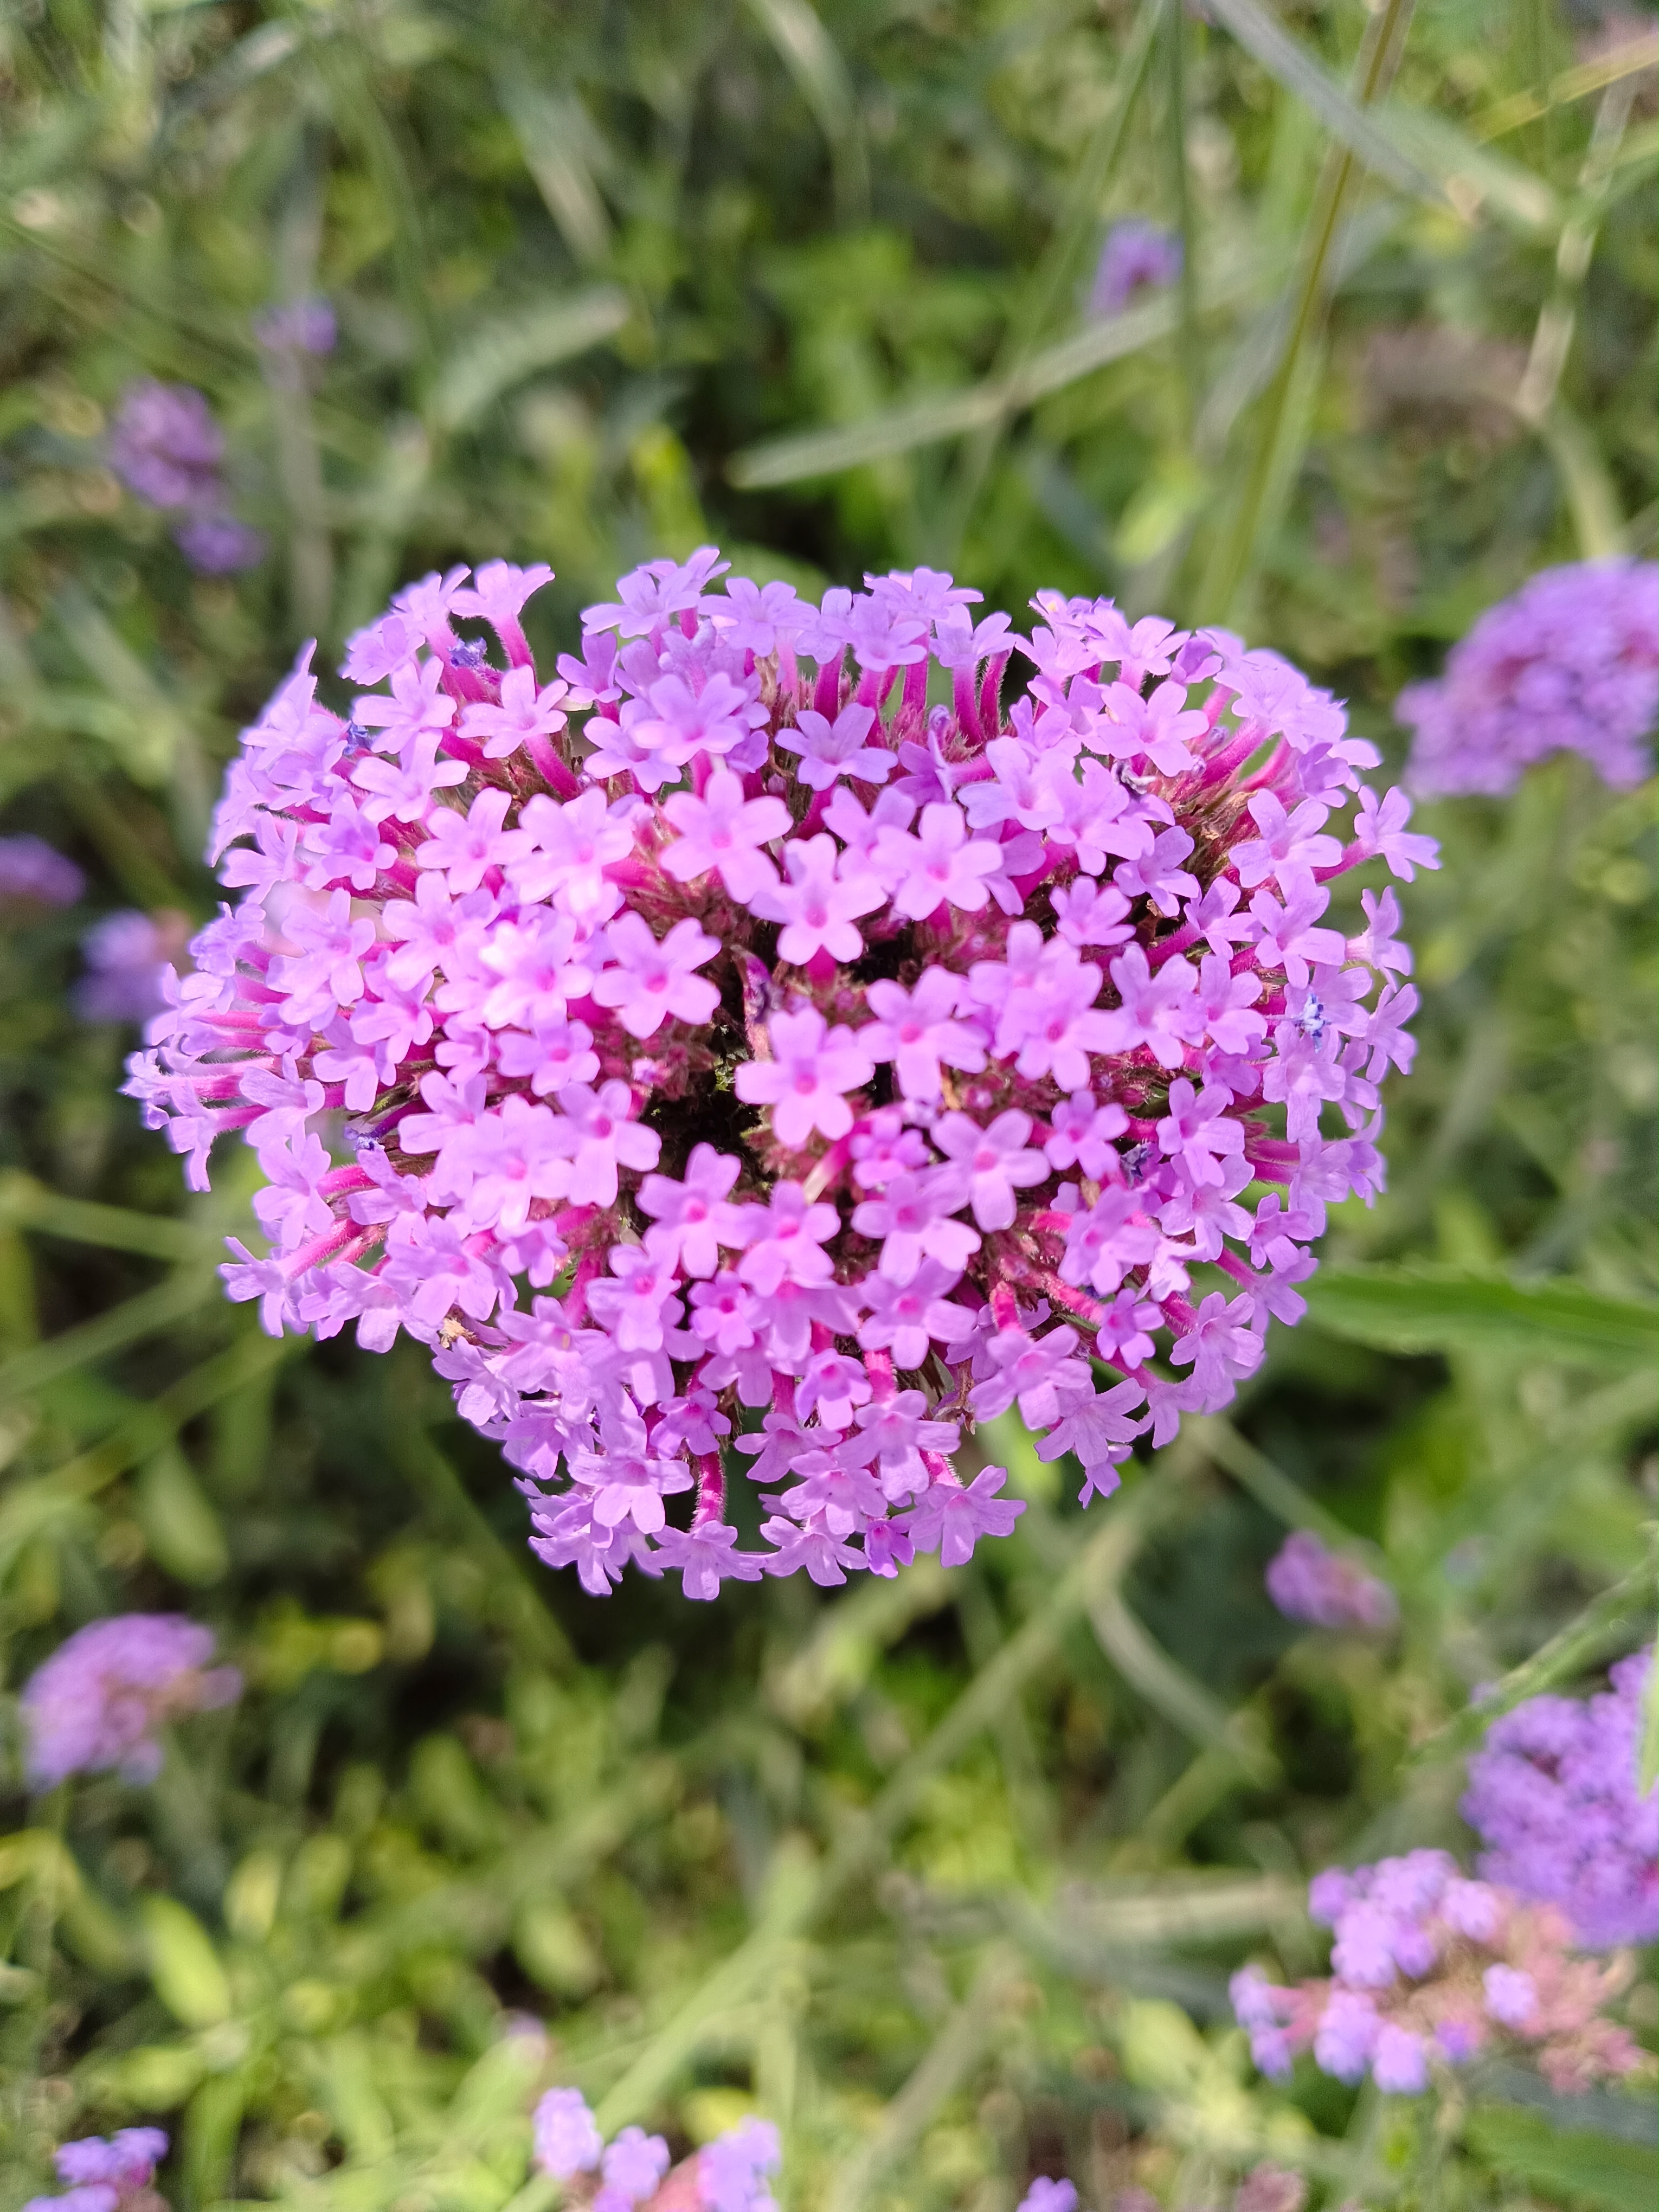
1041, 300
809, 1891
146, 1314
1565, 1656
1239, 552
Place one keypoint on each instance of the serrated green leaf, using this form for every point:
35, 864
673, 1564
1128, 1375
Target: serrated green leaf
1418, 1307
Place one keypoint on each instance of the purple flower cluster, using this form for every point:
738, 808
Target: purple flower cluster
727, 2175
99, 1699
169, 452
1570, 663
1428, 1968
1137, 256
31, 872
879, 1064
1554, 1796
1307, 1583
106, 2176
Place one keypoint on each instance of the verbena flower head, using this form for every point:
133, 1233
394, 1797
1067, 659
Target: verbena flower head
726, 2175
32, 873
1570, 663
100, 1698
106, 2176
786, 1040
1554, 1796
1137, 255
1428, 1970
1306, 1581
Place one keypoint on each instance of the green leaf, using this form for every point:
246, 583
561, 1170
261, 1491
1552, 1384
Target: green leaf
562, 149
183, 1965
947, 414
1420, 1307
183, 1531
1290, 66
1474, 179
1648, 1772
1579, 2169
1423, 154
502, 353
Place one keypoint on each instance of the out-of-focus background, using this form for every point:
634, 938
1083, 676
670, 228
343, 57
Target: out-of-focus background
1330, 325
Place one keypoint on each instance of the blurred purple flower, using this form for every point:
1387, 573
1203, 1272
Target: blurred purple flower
168, 450
1427, 1966
166, 446
127, 955
1553, 1795
1048, 2195
218, 545
97, 1700
1307, 1583
30, 870
300, 327
105, 2176
1570, 663
1136, 255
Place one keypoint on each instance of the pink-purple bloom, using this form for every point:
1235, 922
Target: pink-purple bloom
1428, 1970
726, 2175
720, 1049
1047, 2196
105, 2175
32, 873
1553, 1794
1308, 1582
1570, 663
1137, 256
99, 1699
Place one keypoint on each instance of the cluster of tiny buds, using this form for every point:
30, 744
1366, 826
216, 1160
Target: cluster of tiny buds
728, 1049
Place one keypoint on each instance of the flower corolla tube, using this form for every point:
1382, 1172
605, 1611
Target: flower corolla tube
723, 1024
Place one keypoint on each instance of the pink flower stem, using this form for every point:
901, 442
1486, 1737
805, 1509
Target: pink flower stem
711, 1489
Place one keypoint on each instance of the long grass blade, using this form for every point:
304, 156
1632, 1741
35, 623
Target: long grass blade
1239, 547
506, 352
947, 415
146, 1314
1602, 1622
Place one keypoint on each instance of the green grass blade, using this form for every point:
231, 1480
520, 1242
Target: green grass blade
1416, 1306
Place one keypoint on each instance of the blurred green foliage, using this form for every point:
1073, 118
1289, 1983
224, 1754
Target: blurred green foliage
944, 1874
